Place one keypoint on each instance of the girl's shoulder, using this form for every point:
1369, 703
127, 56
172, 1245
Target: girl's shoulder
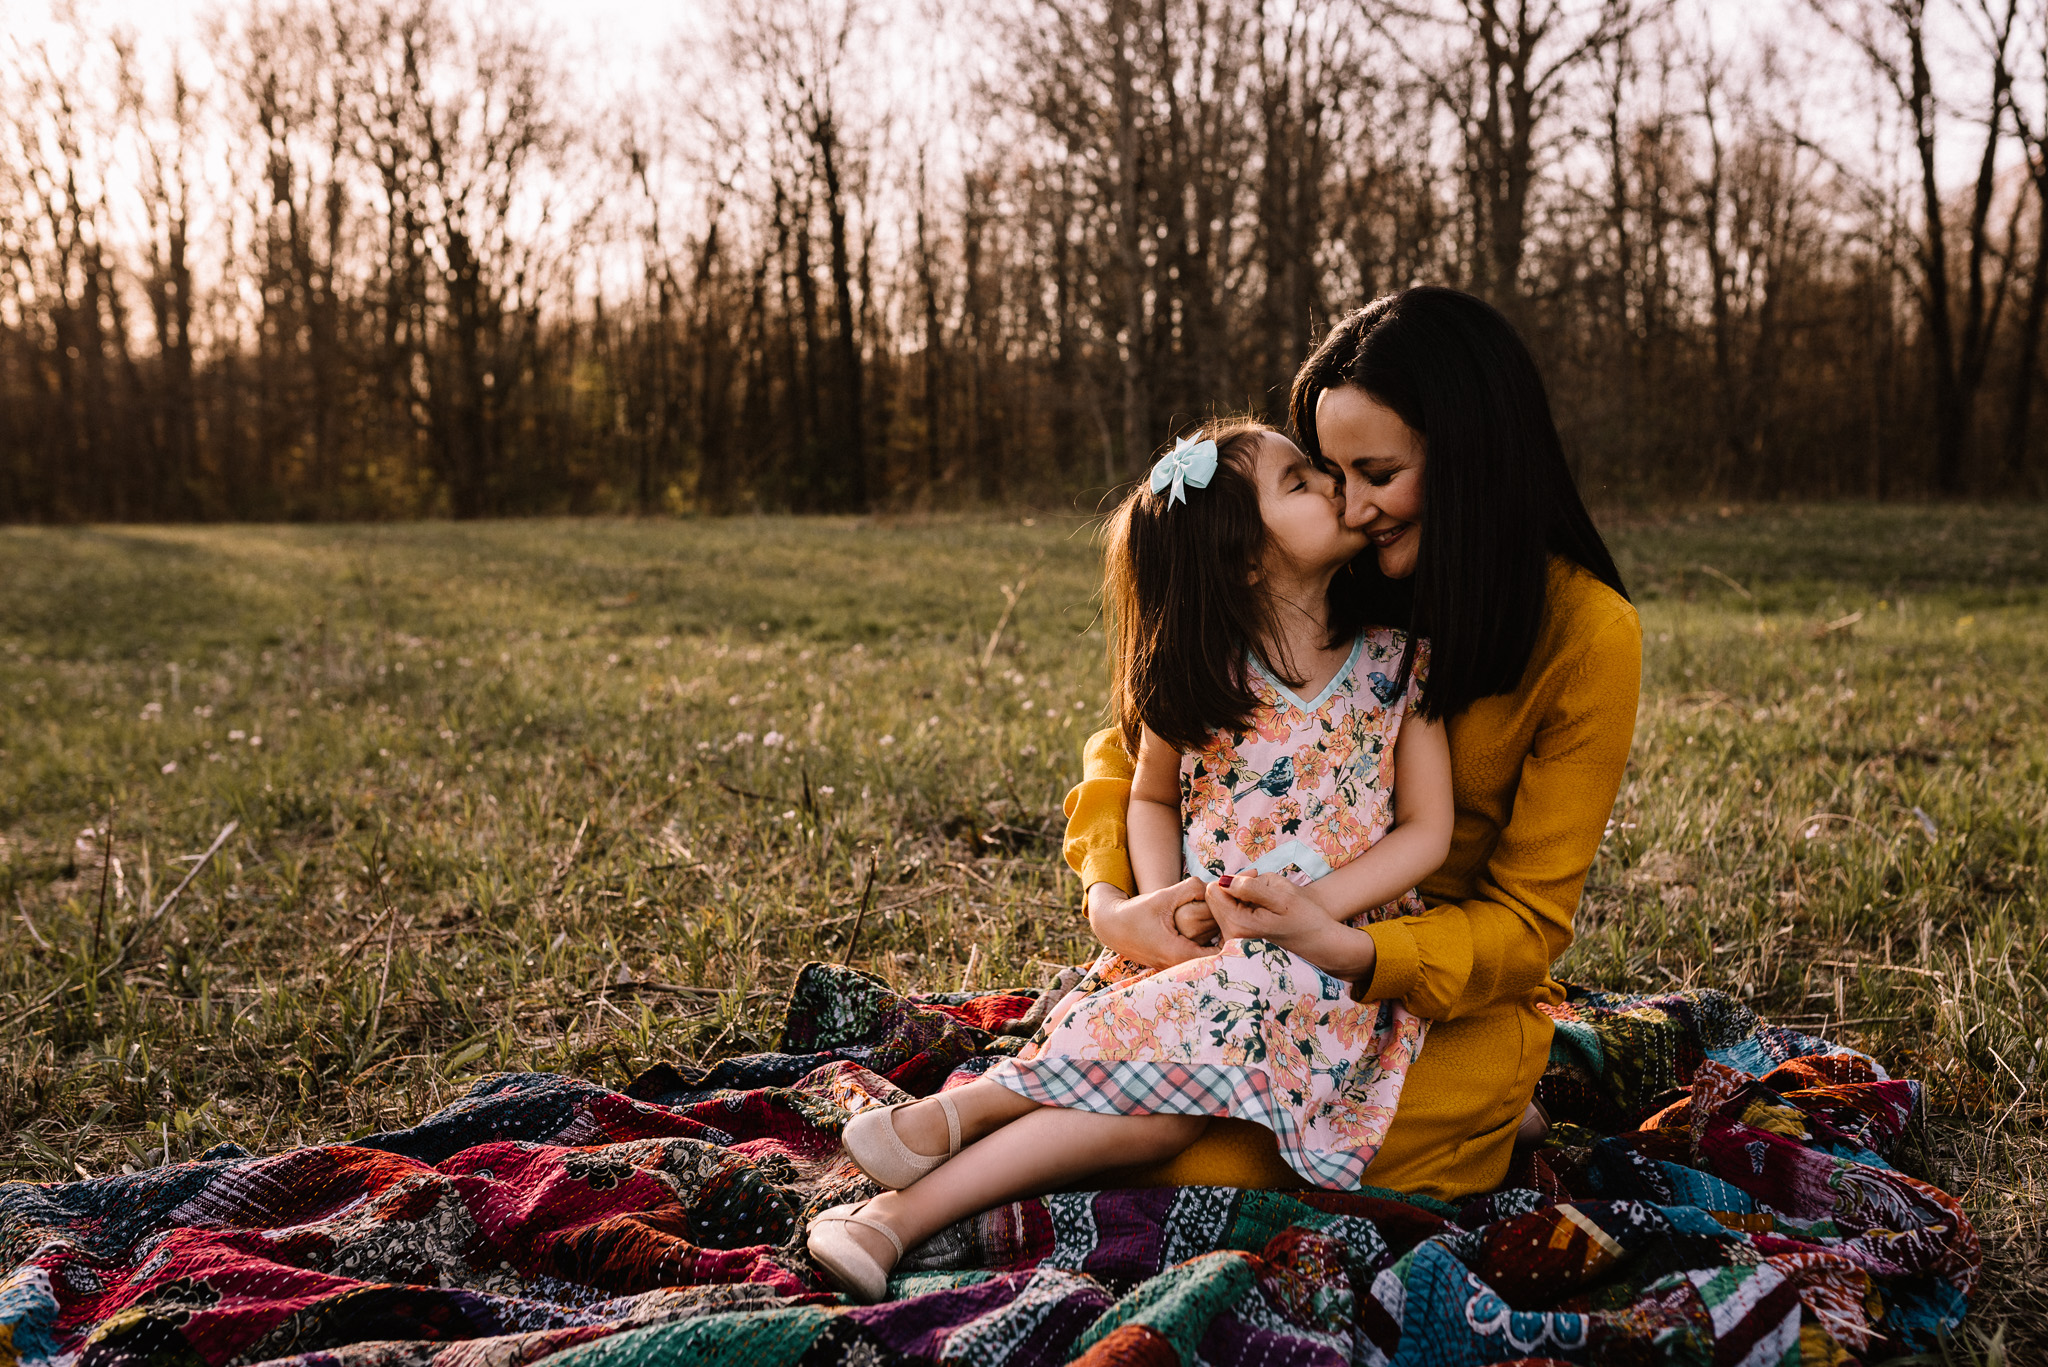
1381, 642
1382, 648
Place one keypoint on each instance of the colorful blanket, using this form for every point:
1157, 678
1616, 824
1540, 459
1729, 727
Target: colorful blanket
1716, 1191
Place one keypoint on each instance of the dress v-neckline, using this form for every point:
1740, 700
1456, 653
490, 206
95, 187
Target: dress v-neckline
1343, 671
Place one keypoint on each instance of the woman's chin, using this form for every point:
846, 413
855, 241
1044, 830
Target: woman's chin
1397, 561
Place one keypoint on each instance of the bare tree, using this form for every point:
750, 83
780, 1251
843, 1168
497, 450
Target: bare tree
801, 52
1507, 76
1959, 333
380, 267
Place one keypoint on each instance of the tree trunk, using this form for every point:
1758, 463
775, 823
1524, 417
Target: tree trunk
850, 409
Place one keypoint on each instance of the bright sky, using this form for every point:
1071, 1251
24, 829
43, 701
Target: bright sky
628, 35
627, 43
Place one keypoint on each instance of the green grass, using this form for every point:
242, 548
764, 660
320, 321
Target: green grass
515, 805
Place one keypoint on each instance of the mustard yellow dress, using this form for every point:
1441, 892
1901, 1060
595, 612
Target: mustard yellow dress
1534, 774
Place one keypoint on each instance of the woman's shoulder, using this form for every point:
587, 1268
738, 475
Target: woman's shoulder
1587, 625
1580, 604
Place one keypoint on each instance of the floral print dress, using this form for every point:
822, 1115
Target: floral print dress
1253, 1030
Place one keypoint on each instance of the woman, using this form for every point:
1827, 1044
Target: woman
1536, 664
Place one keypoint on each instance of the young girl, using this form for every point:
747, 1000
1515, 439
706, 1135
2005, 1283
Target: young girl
1268, 732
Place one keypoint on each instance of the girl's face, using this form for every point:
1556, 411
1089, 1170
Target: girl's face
1379, 460
1299, 505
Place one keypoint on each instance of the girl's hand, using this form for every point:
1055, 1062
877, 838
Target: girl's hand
1268, 907
1142, 928
1196, 922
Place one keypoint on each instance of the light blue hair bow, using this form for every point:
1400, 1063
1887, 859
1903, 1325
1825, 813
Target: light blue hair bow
1191, 463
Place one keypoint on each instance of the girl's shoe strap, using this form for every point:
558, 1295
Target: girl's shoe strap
856, 1218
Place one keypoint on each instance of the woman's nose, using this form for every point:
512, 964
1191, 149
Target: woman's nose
1358, 505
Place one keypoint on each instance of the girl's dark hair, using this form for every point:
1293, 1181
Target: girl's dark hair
1498, 498
1184, 612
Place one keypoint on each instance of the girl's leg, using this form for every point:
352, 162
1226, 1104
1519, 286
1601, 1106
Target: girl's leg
1035, 1153
983, 1107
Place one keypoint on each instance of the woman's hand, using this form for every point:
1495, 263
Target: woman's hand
1142, 928
1266, 906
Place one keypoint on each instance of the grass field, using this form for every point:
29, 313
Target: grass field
582, 796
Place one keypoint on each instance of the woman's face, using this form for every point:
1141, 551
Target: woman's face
1379, 460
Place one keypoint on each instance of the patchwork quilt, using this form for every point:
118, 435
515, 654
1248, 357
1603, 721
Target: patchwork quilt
1716, 1190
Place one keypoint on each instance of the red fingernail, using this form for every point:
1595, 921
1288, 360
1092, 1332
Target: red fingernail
1223, 880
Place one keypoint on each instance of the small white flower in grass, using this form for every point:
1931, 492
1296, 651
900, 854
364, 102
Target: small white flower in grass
1812, 832
152, 711
772, 739
170, 766
255, 741
703, 745
744, 738
789, 815
886, 740
733, 701
236, 737
1028, 751
825, 790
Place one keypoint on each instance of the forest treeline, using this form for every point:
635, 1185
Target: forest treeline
388, 258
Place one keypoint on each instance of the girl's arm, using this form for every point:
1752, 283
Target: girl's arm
1310, 921
1154, 820
1142, 929
1421, 836
1497, 942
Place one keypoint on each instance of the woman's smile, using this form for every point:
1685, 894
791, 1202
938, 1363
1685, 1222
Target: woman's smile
1380, 460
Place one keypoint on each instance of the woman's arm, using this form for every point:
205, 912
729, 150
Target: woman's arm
1154, 818
1421, 835
1139, 928
1497, 945
1096, 844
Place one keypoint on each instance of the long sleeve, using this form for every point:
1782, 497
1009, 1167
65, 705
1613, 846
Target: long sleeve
1495, 943
1096, 845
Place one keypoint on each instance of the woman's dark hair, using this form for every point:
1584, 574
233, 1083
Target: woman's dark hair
1184, 611
1498, 498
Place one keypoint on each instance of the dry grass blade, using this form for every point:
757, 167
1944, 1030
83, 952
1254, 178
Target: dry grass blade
121, 956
